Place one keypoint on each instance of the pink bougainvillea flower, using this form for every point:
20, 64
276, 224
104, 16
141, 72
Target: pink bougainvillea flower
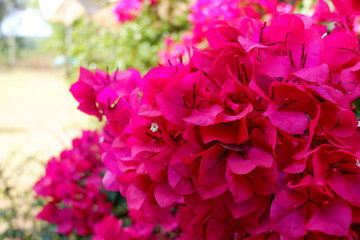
338, 55
85, 95
173, 53
73, 185
337, 122
141, 228
97, 92
293, 214
349, 82
253, 138
338, 169
286, 112
347, 6
127, 10
101, 229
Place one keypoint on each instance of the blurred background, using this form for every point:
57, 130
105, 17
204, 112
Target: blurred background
42, 45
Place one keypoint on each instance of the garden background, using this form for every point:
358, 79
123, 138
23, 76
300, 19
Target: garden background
41, 51
39, 60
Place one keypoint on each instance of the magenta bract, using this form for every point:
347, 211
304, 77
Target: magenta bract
254, 138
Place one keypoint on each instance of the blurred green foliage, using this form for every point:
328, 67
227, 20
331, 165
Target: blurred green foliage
132, 44
18, 209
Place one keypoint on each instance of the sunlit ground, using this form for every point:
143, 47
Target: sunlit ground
38, 119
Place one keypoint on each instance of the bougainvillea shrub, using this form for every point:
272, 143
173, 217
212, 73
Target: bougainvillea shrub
142, 228
205, 14
72, 186
127, 10
77, 203
254, 137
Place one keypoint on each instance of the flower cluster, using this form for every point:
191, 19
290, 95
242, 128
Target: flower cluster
173, 51
254, 138
127, 10
142, 228
72, 185
77, 202
115, 96
205, 14
346, 14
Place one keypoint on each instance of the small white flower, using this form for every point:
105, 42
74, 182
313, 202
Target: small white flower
357, 162
358, 123
154, 127
324, 35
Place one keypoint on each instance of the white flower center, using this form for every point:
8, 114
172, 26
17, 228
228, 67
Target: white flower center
154, 127
357, 162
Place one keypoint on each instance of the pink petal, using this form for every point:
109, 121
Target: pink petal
318, 74
254, 157
333, 95
293, 122
215, 229
346, 186
179, 183
243, 208
338, 122
259, 157
149, 111
107, 97
286, 214
135, 197
333, 218
275, 67
164, 195
220, 36
239, 165
220, 132
212, 167
171, 105
239, 186
87, 76
321, 167
248, 45
204, 117
209, 192
109, 181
